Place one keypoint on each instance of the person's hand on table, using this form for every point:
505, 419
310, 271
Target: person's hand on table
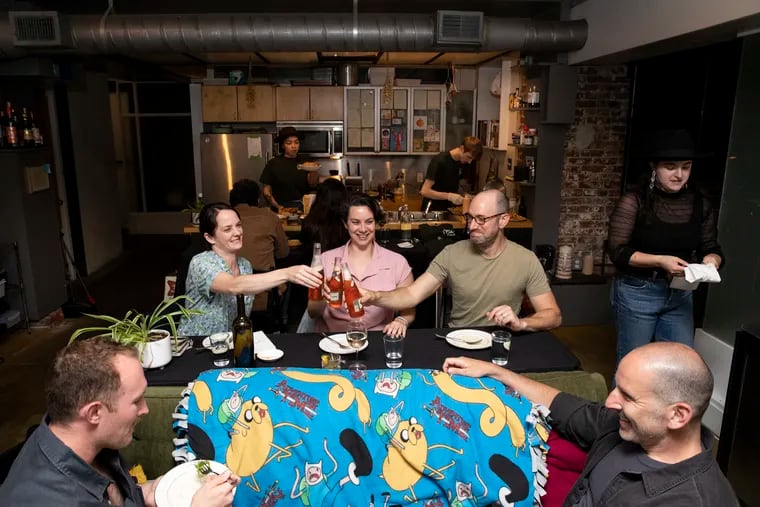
469, 367
217, 490
454, 198
504, 316
396, 327
304, 275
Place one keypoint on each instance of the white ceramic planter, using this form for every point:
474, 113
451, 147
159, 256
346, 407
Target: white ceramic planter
157, 353
195, 218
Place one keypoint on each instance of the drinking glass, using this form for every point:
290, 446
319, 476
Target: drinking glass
219, 345
356, 336
501, 343
394, 351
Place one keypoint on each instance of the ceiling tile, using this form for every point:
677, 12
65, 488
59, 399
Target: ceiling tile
231, 58
401, 58
301, 57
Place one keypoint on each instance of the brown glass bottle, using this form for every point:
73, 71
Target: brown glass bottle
242, 331
351, 294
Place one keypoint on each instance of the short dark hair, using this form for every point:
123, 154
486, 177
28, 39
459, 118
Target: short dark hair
82, 373
372, 204
688, 381
207, 219
245, 192
473, 145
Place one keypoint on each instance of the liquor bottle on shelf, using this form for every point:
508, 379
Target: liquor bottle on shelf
335, 285
245, 355
315, 294
36, 134
11, 129
26, 129
351, 294
2, 129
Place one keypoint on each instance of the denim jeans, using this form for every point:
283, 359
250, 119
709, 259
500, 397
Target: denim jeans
649, 309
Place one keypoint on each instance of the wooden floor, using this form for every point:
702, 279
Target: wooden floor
137, 278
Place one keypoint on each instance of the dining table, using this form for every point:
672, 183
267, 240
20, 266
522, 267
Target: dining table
530, 352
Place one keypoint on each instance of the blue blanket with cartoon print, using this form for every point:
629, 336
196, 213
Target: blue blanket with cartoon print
314, 437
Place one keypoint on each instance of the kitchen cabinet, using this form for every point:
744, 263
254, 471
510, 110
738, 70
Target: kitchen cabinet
304, 103
398, 120
238, 103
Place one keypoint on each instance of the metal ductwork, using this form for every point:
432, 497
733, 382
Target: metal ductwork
202, 33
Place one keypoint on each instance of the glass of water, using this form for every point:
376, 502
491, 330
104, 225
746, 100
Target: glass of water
219, 345
501, 343
356, 336
394, 351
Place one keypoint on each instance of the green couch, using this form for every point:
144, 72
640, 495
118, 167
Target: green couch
153, 446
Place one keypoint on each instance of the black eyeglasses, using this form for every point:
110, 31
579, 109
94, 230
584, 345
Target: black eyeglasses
481, 220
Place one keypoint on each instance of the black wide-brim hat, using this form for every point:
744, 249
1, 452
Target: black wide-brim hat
286, 132
671, 145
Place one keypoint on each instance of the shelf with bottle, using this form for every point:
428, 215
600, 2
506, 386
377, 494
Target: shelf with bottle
18, 132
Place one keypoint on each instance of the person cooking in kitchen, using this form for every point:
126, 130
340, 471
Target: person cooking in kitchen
441, 184
284, 183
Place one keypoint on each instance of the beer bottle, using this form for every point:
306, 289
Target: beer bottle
315, 294
36, 132
351, 294
335, 286
2, 129
11, 124
243, 333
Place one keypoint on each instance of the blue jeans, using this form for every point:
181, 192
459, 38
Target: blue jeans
649, 309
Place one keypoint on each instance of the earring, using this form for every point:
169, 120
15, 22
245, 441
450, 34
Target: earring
652, 179
685, 186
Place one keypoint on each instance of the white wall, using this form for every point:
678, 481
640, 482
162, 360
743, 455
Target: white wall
488, 105
94, 159
617, 26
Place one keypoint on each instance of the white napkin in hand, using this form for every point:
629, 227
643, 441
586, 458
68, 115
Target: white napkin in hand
693, 274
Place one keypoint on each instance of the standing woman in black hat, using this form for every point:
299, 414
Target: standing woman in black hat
285, 184
654, 233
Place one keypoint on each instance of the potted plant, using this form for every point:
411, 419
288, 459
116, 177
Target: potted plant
194, 208
154, 345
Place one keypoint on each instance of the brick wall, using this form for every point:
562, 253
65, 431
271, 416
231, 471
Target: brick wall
594, 157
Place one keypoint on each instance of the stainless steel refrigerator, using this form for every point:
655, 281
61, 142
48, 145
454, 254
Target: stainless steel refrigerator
227, 158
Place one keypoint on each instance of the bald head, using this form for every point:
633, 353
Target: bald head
492, 201
679, 374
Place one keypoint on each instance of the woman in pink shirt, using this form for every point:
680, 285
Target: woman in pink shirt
372, 266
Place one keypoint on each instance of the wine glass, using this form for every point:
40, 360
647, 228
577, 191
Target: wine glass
356, 336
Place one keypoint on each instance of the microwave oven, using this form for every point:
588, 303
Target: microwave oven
318, 139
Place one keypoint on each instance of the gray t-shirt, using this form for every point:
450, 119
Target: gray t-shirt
478, 284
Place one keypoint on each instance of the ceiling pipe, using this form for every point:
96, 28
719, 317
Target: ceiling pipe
199, 33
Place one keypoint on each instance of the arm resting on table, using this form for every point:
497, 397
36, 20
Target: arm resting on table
547, 314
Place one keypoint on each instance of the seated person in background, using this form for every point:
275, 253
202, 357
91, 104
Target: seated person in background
372, 266
487, 275
646, 445
285, 184
94, 400
441, 184
264, 237
325, 222
217, 275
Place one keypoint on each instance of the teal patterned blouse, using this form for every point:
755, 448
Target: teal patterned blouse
219, 310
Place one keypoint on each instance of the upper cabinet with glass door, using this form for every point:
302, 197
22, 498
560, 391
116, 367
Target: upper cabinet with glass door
394, 120
360, 123
427, 119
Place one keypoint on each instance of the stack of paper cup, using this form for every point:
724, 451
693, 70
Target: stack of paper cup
565, 262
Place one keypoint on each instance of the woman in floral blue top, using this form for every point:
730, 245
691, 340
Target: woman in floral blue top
217, 275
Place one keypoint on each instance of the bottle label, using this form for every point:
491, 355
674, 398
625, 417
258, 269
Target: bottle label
11, 134
28, 136
335, 296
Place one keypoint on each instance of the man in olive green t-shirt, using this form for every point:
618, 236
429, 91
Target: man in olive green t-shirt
487, 274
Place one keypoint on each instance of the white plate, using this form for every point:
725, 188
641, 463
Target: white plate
270, 354
332, 348
308, 168
465, 339
177, 487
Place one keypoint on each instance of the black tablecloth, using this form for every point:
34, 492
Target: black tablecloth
533, 352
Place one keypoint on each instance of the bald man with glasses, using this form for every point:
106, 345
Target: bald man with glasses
488, 276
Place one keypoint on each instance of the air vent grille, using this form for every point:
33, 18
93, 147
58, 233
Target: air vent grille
459, 28
35, 28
